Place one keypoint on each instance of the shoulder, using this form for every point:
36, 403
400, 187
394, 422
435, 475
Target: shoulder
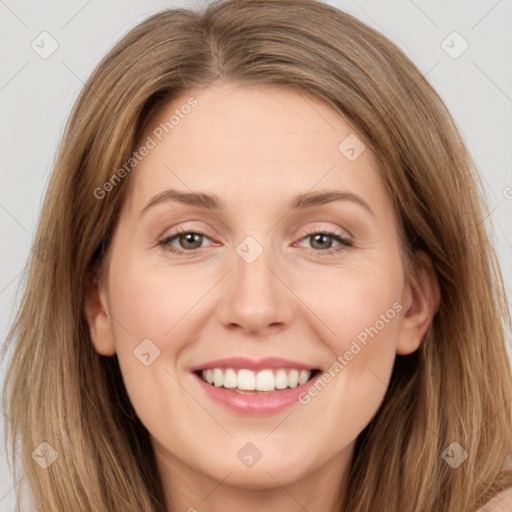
502, 502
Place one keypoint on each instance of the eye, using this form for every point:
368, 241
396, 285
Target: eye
320, 239
189, 240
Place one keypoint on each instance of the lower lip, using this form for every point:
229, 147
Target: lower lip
256, 404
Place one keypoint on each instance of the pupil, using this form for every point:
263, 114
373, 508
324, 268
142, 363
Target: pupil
189, 238
319, 235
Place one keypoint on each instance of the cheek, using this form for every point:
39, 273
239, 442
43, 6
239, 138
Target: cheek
153, 315
156, 314
153, 302
358, 305
364, 325
363, 351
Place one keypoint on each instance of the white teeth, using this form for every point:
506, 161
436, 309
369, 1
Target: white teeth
265, 381
230, 380
303, 377
247, 380
217, 377
293, 379
281, 379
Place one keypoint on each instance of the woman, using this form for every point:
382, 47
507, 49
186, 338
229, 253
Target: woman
257, 369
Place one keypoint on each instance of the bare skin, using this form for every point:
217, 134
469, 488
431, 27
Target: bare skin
255, 148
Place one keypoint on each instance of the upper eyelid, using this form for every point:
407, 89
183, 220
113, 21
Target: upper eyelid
191, 229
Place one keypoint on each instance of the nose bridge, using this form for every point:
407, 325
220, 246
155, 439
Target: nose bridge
255, 298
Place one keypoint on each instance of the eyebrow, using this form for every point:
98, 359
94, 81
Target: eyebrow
213, 202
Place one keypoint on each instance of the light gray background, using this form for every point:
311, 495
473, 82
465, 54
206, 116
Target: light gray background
36, 96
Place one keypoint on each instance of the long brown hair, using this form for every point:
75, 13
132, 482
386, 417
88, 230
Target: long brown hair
455, 388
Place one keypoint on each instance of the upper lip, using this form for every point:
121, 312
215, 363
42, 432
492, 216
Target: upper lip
251, 364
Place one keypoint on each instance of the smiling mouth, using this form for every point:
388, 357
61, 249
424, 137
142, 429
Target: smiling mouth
245, 381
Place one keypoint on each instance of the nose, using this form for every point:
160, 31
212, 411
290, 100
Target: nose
257, 298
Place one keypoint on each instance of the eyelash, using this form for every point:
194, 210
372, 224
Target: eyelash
344, 242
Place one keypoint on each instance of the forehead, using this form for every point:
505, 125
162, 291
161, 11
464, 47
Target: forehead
247, 119
243, 142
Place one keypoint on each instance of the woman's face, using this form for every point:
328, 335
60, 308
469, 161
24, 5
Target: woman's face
298, 259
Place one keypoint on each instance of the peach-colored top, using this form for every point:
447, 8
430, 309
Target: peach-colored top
502, 502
